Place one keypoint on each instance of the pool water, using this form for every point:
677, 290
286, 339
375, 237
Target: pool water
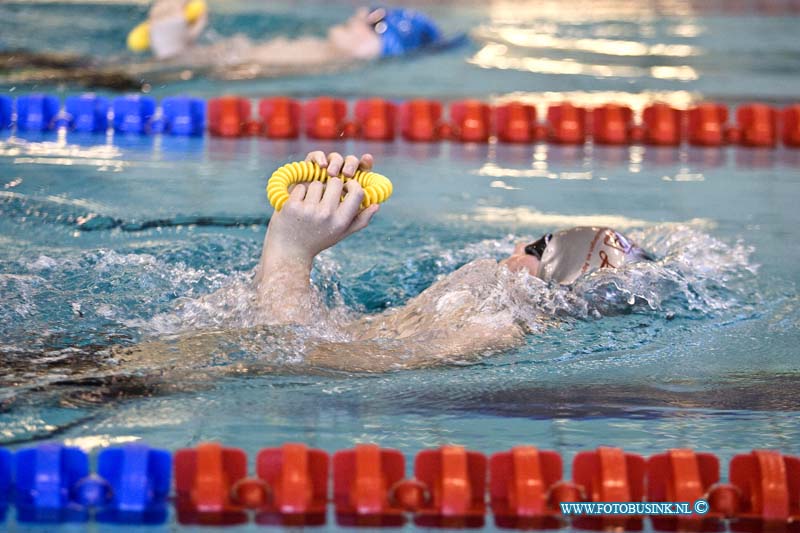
115, 242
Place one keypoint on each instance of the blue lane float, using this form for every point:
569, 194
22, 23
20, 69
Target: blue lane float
6, 112
5, 480
86, 113
53, 483
133, 114
139, 478
37, 112
184, 115
44, 478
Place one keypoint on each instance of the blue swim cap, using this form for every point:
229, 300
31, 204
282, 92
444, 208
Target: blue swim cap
405, 30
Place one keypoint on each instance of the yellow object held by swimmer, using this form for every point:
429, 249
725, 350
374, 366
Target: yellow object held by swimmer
377, 188
139, 38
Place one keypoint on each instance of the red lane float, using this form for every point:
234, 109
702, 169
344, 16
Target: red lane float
791, 126
324, 118
707, 124
229, 116
456, 480
757, 125
364, 481
204, 481
471, 121
662, 125
298, 478
566, 124
515, 122
212, 486
609, 475
421, 120
611, 124
681, 475
280, 117
375, 119
769, 487
520, 481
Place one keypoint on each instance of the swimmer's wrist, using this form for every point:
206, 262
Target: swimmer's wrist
289, 262
284, 275
280, 251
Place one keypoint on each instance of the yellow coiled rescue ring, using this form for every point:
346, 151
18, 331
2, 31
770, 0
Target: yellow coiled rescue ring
377, 188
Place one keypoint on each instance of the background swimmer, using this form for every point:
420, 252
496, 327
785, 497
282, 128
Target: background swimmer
458, 316
368, 34
172, 33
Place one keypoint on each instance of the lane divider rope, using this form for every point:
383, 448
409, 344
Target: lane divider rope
419, 120
450, 486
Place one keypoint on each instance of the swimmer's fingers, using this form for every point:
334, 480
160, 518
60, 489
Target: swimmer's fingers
318, 157
366, 162
296, 195
314, 192
348, 209
351, 164
335, 163
345, 167
363, 219
332, 196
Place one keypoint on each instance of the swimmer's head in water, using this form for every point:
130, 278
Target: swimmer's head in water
565, 256
384, 32
520, 260
402, 30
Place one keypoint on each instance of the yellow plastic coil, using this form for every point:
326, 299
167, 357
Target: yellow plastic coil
377, 188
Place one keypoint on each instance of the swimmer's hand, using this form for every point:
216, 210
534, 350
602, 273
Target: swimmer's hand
339, 166
316, 217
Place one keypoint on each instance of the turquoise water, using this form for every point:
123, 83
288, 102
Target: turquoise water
114, 242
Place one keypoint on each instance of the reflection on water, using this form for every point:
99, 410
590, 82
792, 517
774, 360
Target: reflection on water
634, 11
541, 37
496, 56
494, 158
600, 43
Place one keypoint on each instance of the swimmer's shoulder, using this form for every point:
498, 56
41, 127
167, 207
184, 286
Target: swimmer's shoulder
471, 276
478, 266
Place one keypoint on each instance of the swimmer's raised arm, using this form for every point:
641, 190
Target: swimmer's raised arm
452, 321
313, 219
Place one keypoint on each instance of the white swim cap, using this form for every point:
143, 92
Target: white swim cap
569, 254
174, 25
169, 36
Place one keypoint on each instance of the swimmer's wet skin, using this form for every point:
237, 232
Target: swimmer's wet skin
450, 320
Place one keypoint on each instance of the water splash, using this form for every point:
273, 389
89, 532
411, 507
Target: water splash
696, 276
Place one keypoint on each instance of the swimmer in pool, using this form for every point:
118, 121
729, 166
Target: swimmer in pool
172, 38
466, 314
367, 35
